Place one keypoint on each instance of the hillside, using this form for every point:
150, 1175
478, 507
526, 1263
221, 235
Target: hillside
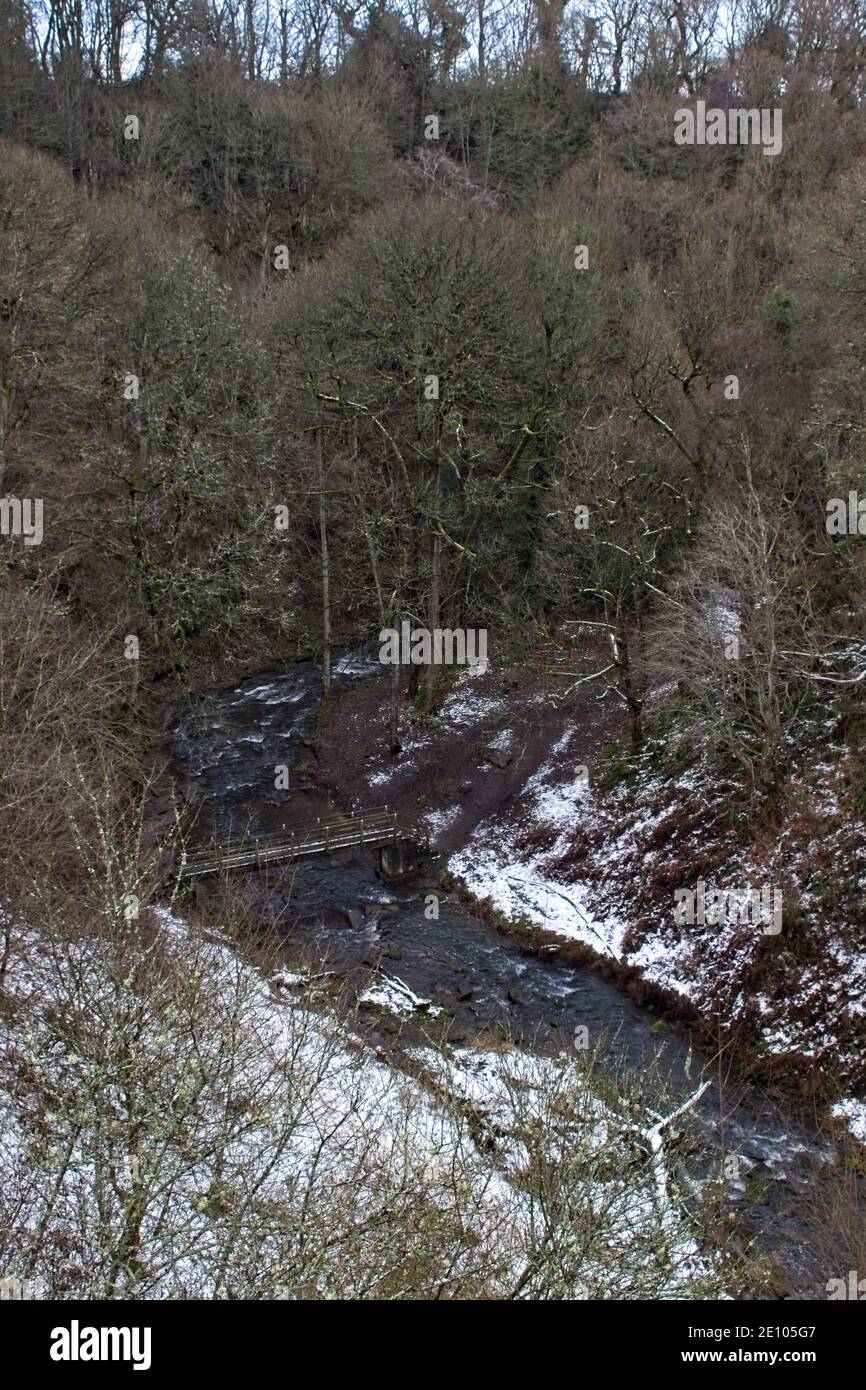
460, 409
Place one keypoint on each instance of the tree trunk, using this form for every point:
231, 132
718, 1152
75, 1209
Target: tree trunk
326, 571
251, 40
435, 590
394, 711
4, 436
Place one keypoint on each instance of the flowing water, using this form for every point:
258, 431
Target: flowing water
226, 747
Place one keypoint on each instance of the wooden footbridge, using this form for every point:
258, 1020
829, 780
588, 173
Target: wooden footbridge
369, 829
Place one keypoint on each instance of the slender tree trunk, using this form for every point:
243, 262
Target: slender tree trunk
394, 710
627, 684
435, 589
368, 534
326, 571
284, 47
374, 565
4, 436
251, 40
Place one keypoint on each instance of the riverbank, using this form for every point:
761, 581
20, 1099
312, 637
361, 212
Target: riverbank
546, 824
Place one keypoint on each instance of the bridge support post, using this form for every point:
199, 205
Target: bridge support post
399, 860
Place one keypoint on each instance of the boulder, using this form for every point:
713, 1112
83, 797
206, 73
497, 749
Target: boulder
499, 757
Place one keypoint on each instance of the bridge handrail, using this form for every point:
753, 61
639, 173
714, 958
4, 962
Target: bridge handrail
299, 828
253, 854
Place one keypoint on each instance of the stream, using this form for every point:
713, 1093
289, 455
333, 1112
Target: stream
226, 747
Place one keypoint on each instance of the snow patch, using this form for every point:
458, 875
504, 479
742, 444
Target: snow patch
854, 1113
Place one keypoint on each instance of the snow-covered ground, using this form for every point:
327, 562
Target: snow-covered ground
517, 883
464, 707
395, 996
853, 1112
624, 846
435, 822
211, 1094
